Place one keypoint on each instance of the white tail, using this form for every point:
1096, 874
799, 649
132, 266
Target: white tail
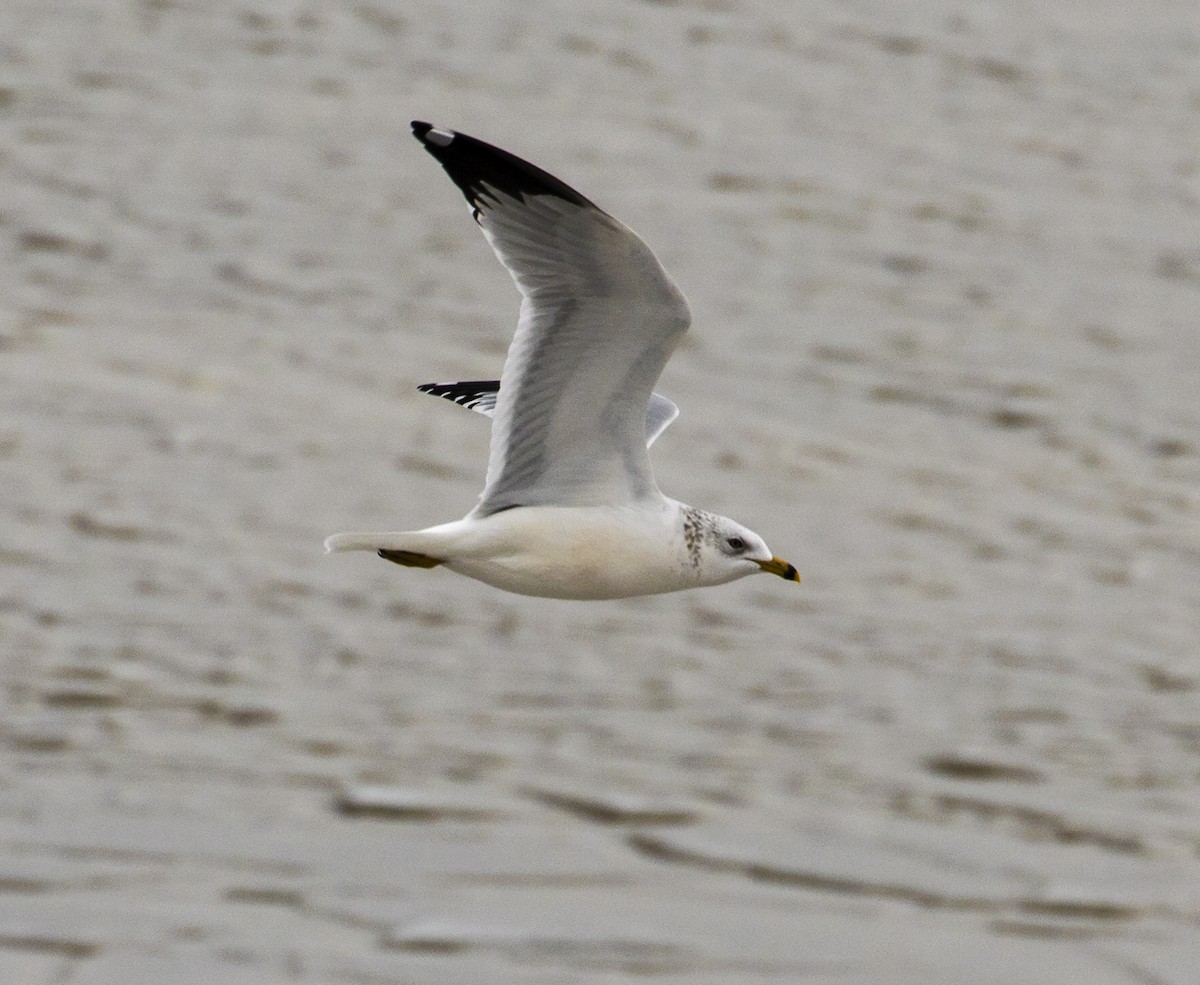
356, 542
433, 542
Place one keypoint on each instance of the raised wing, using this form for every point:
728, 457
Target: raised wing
476, 395
480, 396
599, 318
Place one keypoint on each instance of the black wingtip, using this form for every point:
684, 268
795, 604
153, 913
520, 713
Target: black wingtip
465, 393
437, 140
473, 164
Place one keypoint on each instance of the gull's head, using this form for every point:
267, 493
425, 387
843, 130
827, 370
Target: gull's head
726, 551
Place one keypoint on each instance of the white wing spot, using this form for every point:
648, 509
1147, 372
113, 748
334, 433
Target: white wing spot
440, 137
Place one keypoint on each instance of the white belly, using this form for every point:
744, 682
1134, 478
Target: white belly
575, 552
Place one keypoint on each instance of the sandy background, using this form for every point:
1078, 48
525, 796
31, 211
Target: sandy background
944, 269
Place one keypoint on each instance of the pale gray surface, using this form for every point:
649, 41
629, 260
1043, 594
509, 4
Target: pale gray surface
943, 263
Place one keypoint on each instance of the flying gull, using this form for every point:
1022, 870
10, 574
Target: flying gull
570, 508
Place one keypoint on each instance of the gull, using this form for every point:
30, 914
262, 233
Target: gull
570, 508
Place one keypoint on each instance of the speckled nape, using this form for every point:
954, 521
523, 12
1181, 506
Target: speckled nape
697, 527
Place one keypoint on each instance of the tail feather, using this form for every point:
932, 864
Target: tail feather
359, 542
418, 543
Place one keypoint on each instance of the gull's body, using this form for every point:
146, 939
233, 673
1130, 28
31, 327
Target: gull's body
570, 508
558, 551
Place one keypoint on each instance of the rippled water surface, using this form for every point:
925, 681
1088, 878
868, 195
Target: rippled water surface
945, 282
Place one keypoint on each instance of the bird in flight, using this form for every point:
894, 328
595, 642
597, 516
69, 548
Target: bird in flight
570, 508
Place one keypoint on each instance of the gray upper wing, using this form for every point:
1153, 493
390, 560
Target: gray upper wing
599, 318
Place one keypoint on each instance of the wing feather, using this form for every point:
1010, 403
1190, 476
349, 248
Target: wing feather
480, 396
599, 319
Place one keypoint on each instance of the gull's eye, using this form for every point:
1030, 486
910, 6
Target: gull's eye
735, 543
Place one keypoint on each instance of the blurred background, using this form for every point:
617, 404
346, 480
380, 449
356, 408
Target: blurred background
944, 271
